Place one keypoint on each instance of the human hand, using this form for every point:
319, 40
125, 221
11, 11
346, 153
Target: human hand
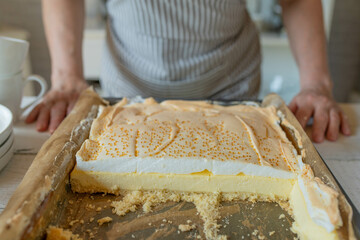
56, 105
328, 118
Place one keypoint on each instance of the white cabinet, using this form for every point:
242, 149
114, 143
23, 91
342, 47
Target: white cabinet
94, 40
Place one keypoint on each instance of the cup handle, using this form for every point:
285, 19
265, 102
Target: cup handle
43, 86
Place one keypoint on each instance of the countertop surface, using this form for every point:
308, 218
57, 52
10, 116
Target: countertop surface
342, 157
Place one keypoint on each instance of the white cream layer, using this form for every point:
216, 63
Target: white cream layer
321, 202
180, 166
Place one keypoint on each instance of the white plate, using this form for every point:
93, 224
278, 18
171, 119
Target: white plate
4, 147
6, 157
6, 119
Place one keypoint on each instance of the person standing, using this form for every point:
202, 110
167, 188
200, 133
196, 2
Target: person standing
188, 49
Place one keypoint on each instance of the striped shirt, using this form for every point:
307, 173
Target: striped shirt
187, 49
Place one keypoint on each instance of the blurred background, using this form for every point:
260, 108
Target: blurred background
22, 19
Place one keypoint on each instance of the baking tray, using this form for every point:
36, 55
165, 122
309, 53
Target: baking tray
44, 196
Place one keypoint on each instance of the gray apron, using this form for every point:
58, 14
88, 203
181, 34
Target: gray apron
188, 49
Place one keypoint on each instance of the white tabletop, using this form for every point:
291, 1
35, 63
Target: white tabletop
342, 157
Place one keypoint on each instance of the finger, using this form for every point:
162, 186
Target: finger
57, 114
303, 114
345, 126
293, 106
43, 119
321, 121
70, 106
334, 125
33, 114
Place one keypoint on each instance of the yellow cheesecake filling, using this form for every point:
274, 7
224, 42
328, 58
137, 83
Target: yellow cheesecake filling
272, 188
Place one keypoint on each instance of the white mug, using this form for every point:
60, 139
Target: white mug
12, 55
11, 92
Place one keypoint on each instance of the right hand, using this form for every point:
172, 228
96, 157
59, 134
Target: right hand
56, 105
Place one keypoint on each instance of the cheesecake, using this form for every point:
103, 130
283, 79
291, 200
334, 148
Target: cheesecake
194, 146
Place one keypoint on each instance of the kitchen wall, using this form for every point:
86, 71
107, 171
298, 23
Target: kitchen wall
344, 50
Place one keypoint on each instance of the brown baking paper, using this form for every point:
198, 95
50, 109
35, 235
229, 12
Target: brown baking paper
49, 168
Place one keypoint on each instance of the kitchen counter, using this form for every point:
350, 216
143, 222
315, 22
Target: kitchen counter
342, 157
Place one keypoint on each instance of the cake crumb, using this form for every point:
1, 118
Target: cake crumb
73, 222
207, 206
71, 201
90, 206
261, 237
286, 206
55, 233
271, 233
91, 219
98, 209
103, 220
81, 221
255, 232
186, 227
91, 235
282, 216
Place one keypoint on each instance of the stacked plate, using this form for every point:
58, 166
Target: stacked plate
6, 136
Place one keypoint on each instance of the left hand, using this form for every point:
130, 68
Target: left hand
328, 118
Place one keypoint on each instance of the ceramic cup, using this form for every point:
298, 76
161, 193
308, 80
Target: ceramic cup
11, 92
12, 55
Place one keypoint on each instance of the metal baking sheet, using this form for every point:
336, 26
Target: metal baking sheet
221, 102
238, 219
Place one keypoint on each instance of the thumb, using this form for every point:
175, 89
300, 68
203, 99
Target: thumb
293, 106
